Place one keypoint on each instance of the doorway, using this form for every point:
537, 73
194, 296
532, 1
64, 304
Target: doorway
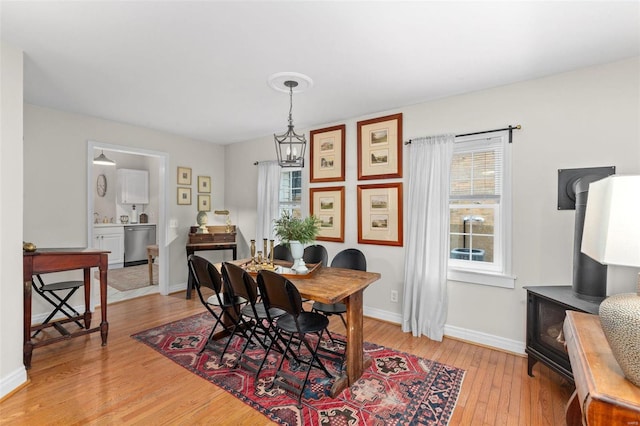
157, 162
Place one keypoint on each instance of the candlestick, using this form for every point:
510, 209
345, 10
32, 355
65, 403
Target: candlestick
271, 254
264, 248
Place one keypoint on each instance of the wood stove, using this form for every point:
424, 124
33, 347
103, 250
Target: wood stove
546, 310
547, 305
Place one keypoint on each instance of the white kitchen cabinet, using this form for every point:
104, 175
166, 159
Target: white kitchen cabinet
133, 186
110, 238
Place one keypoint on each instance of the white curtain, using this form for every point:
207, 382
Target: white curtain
427, 250
268, 193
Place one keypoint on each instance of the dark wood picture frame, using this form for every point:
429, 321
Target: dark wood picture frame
328, 154
380, 214
380, 147
327, 204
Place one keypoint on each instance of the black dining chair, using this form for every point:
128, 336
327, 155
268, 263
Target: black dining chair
254, 318
349, 259
296, 324
316, 254
282, 252
205, 274
49, 292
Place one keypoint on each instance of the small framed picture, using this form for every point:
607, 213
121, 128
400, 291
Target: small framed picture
380, 214
184, 196
327, 204
204, 183
327, 154
380, 148
204, 203
184, 176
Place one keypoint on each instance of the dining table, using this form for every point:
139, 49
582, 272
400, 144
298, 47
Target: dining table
333, 285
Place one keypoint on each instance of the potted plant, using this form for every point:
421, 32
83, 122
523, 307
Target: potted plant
295, 232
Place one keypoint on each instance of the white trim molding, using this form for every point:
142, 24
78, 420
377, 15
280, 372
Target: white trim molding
472, 336
13, 381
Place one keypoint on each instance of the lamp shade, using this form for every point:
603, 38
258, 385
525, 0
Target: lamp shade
103, 160
612, 221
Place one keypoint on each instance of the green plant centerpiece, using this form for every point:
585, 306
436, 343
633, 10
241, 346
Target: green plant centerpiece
295, 232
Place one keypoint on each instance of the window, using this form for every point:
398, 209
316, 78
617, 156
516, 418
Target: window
480, 212
291, 192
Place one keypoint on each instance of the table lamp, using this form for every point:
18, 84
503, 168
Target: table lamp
612, 236
228, 220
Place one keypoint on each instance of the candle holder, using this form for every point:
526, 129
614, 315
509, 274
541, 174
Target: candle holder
271, 254
253, 254
264, 249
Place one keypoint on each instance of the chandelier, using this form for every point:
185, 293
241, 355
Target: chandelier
290, 145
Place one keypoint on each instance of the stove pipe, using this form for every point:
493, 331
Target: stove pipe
589, 276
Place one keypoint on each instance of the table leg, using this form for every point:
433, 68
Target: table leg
189, 277
150, 262
27, 347
104, 325
356, 360
87, 298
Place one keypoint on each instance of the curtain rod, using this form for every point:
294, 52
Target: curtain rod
510, 129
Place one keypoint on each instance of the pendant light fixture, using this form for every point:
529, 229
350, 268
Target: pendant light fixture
102, 159
290, 146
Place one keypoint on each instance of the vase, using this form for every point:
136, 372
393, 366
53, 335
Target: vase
620, 319
297, 251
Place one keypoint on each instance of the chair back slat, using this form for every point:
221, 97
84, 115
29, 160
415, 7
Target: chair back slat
276, 292
350, 259
282, 252
316, 254
232, 276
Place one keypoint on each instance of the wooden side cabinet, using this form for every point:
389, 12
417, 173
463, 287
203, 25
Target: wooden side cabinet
603, 396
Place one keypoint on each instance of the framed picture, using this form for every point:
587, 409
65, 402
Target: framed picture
380, 214
204, 183
327, 154
184, 176
204, 203
327, 204
380, 148
184, 196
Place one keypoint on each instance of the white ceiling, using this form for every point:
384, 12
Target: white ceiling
200, 69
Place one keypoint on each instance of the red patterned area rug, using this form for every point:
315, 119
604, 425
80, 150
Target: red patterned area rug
398, 388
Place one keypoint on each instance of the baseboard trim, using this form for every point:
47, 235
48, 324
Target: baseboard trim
471, 336
13, 382
485, 339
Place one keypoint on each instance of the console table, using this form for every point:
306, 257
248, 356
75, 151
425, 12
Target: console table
603, 396
49, 260
216, 238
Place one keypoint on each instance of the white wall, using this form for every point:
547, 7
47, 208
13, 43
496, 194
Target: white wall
584, 118
12, 371
55, 187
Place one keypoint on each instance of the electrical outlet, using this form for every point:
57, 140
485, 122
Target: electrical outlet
394, 296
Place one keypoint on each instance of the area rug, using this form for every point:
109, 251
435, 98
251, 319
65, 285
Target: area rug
129, 278
398, 388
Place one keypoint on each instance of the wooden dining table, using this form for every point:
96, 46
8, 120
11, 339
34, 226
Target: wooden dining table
333, 285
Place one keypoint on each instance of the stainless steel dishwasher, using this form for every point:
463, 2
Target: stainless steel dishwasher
136, 240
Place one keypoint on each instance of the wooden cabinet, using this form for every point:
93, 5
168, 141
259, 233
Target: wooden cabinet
603, 396
133, 186
110, 238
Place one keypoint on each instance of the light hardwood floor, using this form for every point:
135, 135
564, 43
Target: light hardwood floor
80, 382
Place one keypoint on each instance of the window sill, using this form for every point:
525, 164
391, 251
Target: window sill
482, 278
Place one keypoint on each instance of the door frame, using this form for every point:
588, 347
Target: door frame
163, 184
